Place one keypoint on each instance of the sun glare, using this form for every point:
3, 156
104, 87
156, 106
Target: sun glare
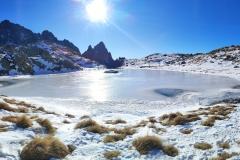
97, 11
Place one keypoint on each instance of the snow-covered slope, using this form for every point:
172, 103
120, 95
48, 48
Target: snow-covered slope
40, 57
224, 57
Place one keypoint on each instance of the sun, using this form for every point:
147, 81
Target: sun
97, 11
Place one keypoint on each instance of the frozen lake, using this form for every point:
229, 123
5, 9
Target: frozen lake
125, 85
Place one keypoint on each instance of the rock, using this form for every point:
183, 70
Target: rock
100, 54
111, 71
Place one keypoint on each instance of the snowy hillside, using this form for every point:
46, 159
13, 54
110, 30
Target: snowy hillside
24, 52
40, 58
224, 57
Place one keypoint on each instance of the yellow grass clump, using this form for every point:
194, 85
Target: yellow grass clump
170, 150
23, 122
203, 146
145, 144
224, 145
141, 124
85, 123
69, 115
111, 154
71, 148
225, 155
210, 121
47, 125
6, 107
178, 119
12, 119
92, 126
85, 117
44, 149
66, 121
19, 103
125, 131
117, 121
186, 131
97, 129
3, 128
152, 119
114, 138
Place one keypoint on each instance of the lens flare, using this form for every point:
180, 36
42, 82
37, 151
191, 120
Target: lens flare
97, 11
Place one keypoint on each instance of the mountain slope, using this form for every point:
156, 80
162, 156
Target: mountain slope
25, 52
11, 33
223, 57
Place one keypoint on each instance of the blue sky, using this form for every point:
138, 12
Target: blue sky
134, 28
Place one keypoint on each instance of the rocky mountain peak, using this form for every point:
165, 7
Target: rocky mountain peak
100, 54
90, 49
15, 34
101, 48
46, 35
11, 33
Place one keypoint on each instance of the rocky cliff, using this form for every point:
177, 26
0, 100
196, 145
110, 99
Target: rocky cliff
101, 55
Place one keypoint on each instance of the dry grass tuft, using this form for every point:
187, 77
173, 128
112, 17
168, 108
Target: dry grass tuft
70, 115
117, 121
225, 155
222, 110
6, 107
92, 126
186, 131
97, 129
170, 150
34, 117
3, 128
41, 109
163, 117
178, 119
47, 125
203, 146
19, 103
152, 126
217, 110
152, 119
47, 112
85, 117
71, 148
114, 138
145, 144
44, 149
141, 124
23, 122
124, 131
111, 154
66, 121
210, 121
12, 119
161, 130
22, 110
86, 123
224, 145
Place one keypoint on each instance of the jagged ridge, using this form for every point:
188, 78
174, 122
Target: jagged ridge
25, 52
101, 55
